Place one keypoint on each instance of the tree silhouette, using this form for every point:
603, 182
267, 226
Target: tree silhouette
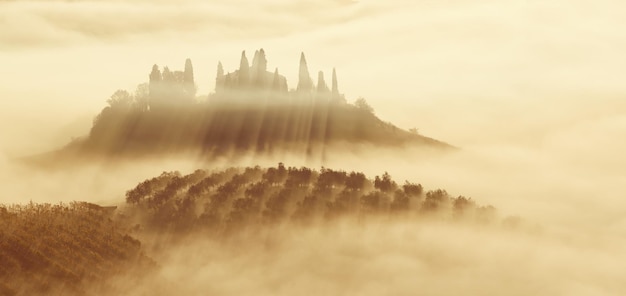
219, 78
155, 83
305, 84
244, 71
434, 200
385, 184
142, 97
259, 67
189, 83
276, 85
362, 104
401, 201
121, 100
335, 86
373, 201
356, 181
412, 189
461, 205
321, 83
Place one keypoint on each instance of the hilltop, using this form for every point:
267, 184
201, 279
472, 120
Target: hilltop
250, 110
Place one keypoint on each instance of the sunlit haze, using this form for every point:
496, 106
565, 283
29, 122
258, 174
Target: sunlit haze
518, 104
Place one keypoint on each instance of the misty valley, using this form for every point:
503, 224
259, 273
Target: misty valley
470, 147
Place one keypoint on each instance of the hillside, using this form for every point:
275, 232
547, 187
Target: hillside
219, 128
64, 249
83, 248
251, 110
229, 201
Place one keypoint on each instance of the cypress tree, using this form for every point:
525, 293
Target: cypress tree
305, 83
219, 78
335, 87
189, 84
321, 83
260, 69
154, 87
276, 81
244, 71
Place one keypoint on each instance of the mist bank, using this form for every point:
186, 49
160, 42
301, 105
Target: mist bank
573, 208
543, 185
390, 257
374, 256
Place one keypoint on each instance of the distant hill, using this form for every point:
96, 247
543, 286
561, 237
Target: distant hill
221, 127
251, 109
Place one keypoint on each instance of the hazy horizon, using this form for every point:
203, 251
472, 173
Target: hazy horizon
533, 92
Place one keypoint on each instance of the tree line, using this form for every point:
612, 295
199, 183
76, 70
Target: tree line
225, 201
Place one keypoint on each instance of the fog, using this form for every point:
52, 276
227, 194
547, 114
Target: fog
393, 259
532, 92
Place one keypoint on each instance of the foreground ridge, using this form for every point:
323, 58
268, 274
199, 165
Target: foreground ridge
82, 248
63, 249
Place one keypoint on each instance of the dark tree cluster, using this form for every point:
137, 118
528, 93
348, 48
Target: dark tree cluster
225, 201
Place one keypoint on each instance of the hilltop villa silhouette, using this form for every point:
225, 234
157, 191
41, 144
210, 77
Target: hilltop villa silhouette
168, 88
251, 110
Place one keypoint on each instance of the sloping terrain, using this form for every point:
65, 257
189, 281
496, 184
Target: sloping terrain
63, 249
